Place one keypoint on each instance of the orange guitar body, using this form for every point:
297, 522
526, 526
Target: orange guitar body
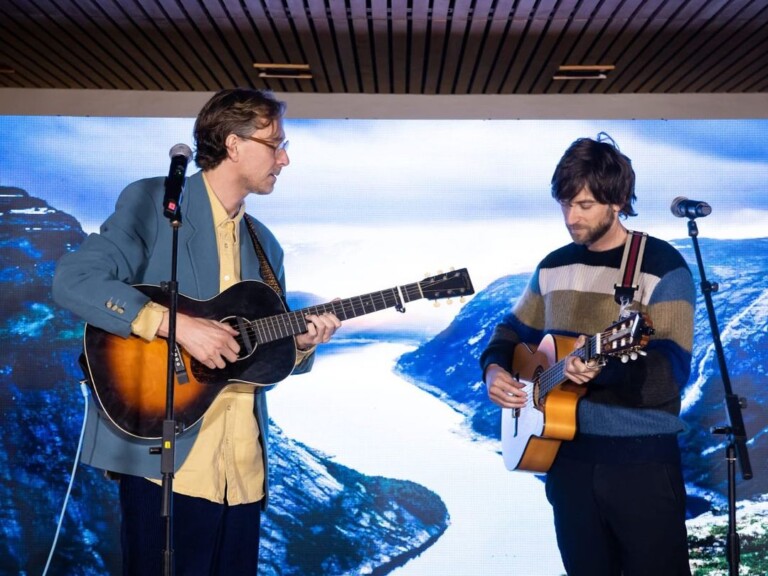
558, 407
531, 436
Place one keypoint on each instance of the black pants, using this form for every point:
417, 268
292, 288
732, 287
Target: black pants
208, 538
623, 519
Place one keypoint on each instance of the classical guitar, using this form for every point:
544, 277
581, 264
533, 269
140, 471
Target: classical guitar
531, 436
128, 375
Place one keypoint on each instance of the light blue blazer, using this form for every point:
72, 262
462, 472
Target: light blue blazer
134, 247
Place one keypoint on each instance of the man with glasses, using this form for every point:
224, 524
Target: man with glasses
220, 482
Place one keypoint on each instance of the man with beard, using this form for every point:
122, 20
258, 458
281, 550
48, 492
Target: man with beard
616, 489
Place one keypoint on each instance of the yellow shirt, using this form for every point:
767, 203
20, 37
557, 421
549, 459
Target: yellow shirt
226, 459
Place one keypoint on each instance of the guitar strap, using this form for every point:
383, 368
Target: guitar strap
629, 273
267, 273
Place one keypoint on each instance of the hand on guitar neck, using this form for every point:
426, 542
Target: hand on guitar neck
576, 369
320, 328
508, 392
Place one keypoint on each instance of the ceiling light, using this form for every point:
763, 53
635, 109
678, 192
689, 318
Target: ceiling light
290, 71
583, 72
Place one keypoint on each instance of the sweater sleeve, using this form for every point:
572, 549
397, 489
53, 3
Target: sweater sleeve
523, 324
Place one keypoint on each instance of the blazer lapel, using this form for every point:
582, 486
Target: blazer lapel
199, 240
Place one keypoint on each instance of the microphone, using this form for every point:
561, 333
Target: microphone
684, 208
174, 182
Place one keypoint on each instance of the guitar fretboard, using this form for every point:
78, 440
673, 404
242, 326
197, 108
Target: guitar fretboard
280, 326
555, 375
615, 341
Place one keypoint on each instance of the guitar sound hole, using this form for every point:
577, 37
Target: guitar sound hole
246, 337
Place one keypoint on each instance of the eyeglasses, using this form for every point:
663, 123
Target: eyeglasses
276, 148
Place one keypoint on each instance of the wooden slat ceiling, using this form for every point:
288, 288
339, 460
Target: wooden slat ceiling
387, 47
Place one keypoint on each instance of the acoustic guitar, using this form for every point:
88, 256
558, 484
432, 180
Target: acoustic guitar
531, 436
128, 375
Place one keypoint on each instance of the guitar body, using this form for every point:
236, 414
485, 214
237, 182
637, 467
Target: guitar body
128, 375
531, 436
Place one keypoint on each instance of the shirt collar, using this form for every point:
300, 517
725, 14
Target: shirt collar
220, 215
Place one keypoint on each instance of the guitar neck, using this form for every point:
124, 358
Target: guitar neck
291, 323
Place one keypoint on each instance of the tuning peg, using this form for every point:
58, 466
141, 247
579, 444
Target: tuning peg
449, 301
624, 358
436, 304
642, 353
462, 300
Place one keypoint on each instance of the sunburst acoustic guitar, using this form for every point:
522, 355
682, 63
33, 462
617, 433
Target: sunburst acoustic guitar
128, 375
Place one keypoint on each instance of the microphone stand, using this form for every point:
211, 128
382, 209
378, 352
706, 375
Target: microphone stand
167, 449
174, 187
735, 432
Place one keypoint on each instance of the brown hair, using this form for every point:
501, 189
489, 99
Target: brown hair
238, 111
599, 166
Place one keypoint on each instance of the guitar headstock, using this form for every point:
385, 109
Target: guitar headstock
625, 339
447, 285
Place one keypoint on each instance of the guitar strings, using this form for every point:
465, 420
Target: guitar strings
551, 378
272, 328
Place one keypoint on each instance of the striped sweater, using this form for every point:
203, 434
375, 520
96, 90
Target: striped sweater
571, 293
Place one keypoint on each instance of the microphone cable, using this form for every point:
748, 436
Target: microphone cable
84, 390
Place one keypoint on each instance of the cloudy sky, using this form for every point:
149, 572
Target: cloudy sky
367, 204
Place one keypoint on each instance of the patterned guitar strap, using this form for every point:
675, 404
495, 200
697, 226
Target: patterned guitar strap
629, 273
267, 273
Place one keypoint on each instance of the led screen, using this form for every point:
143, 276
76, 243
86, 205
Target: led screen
386, 455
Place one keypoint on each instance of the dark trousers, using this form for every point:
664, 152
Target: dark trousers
209, 539
623, 519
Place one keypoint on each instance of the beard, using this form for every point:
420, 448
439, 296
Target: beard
586, 236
